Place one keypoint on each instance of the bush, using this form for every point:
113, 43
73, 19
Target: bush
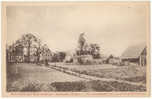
104, 86
96, 86
101, 86
68, 86
137, 79
19, 86
32, 87
127, 87
37, 87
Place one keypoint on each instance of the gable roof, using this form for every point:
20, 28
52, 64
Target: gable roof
133, 51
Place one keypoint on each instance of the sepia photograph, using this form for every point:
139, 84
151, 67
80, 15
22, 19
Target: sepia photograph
76, 48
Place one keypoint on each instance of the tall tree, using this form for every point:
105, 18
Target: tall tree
28, 40
46, 53
81, 41
39, 50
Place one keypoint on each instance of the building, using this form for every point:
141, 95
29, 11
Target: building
135, 54
78, 59
15, 53
113, 60
19, 54
10, 54
84, 59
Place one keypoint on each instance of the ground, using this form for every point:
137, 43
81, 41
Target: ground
132, 72
32, 77
33, 72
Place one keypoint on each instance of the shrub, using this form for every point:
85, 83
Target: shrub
101, 86
36, 87
137, 79
68, 86
104, 86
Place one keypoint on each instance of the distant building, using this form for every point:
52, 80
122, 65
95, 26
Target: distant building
19, 53
85, 59
78, 59
70, 57
135, 54
113, 60
10, 53
15, 53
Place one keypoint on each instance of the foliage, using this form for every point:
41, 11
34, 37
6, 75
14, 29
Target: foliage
33, 46
81, 41
58, 57
87, 49
37, 87
69, 86
28, 41
95, 50
62, 56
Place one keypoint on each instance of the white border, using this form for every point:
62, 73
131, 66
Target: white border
79, 0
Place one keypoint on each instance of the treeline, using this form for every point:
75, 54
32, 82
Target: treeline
30, 48
84, 48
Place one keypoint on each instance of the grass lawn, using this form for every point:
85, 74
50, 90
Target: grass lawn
129, 73
33, 78
34, 75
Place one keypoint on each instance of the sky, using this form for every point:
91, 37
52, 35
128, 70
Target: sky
113, 26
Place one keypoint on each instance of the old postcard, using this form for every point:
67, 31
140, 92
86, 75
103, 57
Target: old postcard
75, 49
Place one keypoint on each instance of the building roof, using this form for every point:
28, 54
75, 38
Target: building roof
133, 51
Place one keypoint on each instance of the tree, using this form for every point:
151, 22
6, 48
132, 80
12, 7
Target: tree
58, 57
81, 41
87, 49
95, 50
61, 56
55, 57
39, 50
46, 53
28, 40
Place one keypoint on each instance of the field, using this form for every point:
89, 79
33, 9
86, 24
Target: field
130, 73
32, 77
